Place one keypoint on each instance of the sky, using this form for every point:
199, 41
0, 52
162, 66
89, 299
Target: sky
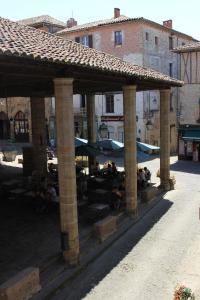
185, 14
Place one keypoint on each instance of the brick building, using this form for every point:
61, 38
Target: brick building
189, 102
142, 42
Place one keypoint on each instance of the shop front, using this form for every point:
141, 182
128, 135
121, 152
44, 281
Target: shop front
189, 143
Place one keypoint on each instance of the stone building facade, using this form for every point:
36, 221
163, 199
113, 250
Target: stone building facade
189, 102
137, 41
15, 116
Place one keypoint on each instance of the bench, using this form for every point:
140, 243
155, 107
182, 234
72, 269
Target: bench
96, 212
148, 194
22, 286
106, 227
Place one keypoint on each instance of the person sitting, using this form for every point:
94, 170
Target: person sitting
96, 169
114, 168
142, 182
147, 174
53, 173
117, 199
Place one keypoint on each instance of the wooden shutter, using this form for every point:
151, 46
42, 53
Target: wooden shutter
90, 41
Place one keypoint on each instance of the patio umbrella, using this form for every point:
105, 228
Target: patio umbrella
147, 148
87, 150
110, 144
141, 156
78, 142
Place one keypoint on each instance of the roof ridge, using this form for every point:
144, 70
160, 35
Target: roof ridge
41, 18
23, 41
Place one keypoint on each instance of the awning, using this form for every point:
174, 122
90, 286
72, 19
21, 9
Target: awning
191, 135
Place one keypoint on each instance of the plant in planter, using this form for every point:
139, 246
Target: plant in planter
172, 180
183, 293
9, 153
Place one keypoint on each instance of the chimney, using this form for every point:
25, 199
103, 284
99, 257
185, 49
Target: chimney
167, 24
71, 22
116, 13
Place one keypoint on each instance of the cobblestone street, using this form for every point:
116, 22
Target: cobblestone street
159, 252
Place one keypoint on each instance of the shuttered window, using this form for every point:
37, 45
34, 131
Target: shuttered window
118, 38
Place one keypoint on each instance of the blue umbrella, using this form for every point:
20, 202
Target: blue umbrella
79, 142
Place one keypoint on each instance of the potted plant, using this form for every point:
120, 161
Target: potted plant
172, 182
183, 293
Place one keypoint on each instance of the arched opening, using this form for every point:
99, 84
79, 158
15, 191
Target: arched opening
21, 128
4, 126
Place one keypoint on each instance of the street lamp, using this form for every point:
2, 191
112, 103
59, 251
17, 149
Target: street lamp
103, 131
149, 125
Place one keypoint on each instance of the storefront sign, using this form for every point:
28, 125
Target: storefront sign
112, 118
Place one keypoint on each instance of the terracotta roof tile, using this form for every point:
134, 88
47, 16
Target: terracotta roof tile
188, 48
27, 42
41, 19
97, 23
121, 19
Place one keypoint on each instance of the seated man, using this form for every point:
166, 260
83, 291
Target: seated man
147, 174
142, 182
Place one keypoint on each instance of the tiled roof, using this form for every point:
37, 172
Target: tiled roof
188, 48
121, 19
41, 19
97, 23
27, 42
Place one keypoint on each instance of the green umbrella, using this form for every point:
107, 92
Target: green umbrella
87, 150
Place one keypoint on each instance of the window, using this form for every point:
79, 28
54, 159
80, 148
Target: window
109, 103
199, 110
147, 36
156, 40
172, 132
170, 43
171, 102
85, 40
118, 38
82, 102
21, 128
170, 69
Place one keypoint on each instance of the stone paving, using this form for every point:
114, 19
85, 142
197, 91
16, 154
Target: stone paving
170, 232
156, 254
168, 254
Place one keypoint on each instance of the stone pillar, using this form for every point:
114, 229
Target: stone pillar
66, 169
129, 96
164, 139
12, 131
39, 135
91, 126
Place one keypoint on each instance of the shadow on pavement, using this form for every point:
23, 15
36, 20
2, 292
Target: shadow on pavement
103, 265
186, 167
